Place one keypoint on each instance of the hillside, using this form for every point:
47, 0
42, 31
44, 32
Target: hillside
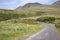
29, 10
57, 4
29, 5
40, 8
34, 6
37, 6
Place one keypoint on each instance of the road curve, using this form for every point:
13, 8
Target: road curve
48, 33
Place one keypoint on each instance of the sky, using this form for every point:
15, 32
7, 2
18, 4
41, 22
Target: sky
12, 4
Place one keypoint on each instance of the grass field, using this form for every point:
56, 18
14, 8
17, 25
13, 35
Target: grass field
12, 26
9, 31
15, 14
58, 30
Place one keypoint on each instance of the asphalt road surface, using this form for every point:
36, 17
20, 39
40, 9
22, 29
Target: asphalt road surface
48, 33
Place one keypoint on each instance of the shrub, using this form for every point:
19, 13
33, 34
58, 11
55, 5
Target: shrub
23, 15
46, 19
39, 13
57, 24
27, 21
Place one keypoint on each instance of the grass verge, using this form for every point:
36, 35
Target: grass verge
58, 29
8, 31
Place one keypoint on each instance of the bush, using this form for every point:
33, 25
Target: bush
27, 21
46, 19
8, 16
23, 15
39, 13
57, 24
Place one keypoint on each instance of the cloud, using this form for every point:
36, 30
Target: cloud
10, 2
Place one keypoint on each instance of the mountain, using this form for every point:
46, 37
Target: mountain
40, 8
57, 4
29, 5
34, 7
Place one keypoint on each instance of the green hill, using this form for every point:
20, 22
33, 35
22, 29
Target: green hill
30, 9
40, 8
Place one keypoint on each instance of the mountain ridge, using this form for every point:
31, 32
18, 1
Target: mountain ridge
28, 5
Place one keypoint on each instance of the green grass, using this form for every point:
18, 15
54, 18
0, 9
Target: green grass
15, 14
10, 31
58, 31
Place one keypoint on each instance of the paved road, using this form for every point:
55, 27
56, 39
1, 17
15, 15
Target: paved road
49, 33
